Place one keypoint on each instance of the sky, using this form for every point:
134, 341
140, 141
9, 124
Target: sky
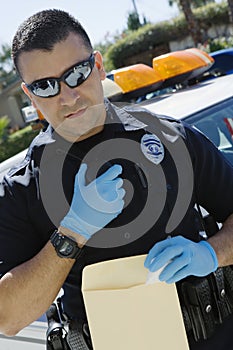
98, 17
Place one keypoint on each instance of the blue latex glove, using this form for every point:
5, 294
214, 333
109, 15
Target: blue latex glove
97, 204
183, 258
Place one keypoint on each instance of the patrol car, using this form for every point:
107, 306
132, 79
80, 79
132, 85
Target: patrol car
9, 163
208, 106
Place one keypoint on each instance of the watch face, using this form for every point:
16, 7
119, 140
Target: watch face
66, 248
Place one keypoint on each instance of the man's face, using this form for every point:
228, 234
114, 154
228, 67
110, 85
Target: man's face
75, 113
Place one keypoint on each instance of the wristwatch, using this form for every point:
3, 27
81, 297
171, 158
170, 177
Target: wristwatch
66, 247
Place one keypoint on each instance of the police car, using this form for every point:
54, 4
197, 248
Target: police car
9, 163
208, 106
175, 91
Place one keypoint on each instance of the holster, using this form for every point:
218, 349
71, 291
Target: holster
206, 301
75, 336
56, 333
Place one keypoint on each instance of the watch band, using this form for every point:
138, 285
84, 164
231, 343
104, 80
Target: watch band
65, 246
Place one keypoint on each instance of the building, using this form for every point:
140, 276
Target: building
12, 100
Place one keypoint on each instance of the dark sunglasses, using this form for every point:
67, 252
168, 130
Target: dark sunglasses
73, 77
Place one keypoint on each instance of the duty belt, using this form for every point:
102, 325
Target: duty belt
58, 338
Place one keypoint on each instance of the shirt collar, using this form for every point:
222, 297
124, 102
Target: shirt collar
116, 114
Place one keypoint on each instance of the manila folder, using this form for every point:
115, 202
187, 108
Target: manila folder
124, 313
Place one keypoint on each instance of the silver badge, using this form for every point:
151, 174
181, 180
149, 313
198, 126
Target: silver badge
152, 148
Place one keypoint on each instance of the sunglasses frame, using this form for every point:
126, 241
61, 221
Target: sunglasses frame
63, 77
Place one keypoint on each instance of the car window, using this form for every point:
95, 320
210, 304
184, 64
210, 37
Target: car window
216, 122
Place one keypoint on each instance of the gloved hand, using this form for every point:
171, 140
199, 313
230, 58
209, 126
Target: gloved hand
97, 204
183, 258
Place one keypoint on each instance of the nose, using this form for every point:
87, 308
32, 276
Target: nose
68, 96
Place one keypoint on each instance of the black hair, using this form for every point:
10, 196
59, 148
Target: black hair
43, 30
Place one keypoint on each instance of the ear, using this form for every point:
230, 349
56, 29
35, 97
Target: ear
99, 64
27, 92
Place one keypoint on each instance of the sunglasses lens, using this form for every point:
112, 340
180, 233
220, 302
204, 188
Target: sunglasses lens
78, 75
45, 88
75, 76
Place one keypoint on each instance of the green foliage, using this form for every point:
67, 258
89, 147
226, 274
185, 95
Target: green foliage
4, 122
219, 44
200, 3
7, 73
5, 57
17, 142
194, 3
143, 39
133, 21
212, 14
151, 35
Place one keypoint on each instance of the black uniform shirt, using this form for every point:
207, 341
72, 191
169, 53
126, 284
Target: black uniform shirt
160, 198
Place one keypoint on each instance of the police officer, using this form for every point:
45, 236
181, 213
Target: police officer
101, 182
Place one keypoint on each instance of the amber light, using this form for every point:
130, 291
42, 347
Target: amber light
180, 62
135, 77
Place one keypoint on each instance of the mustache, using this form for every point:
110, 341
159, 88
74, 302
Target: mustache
67, 111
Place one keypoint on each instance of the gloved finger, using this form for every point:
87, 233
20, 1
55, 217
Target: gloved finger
111, 173
121, 193
179, 275
110, 191
174, 266
163, 258
119, 182
112, 185
119, 207
160, 246
80, 180
156, 250
114, 203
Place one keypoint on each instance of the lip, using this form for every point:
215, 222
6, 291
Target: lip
76, 114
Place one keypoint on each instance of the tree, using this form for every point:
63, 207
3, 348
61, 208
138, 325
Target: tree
133, 21
185, 6
4, 122
230, 10
7, 72
194, 3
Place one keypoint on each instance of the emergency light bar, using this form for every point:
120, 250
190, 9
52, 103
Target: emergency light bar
168, 70
178, 66
136, 77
